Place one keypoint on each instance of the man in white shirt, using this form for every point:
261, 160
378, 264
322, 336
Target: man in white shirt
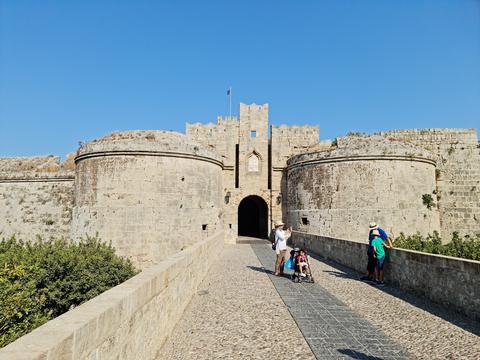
281, 237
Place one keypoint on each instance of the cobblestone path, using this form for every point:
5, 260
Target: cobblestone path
240, 312
330, 327
236, 314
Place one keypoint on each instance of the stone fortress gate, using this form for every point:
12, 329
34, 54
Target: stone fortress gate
155, 193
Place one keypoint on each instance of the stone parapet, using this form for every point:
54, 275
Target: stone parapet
146, 142
375, 146
449, 281
36, 168
129, 321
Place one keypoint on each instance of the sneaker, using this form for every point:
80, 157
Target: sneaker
303, 275
379, 283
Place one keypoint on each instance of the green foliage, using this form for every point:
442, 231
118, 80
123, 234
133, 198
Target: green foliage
428, 201
335, 142
41, 280
466, 248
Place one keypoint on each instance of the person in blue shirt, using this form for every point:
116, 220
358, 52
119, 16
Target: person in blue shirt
371, 258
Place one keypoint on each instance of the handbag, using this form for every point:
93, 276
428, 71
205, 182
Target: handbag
274, 246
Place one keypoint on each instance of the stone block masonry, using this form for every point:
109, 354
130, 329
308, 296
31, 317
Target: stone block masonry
337, 193
448, 281
130, 321
36, 197
153, 186
457, 155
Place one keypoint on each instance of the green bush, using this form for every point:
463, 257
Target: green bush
466, 248
41, 280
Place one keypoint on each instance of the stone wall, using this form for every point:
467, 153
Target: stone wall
457, 154
36, 197
339, 192
451, 282
129, 321
157, 187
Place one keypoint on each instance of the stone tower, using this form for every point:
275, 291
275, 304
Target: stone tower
254, 166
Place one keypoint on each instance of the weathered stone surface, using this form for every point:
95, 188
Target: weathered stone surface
155, 186
36, 197
457, 154
338, 193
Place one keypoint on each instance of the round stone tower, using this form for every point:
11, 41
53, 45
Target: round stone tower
151, 193
363, 179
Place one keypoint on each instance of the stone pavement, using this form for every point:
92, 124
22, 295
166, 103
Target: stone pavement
239, 313
330, 327
236, 314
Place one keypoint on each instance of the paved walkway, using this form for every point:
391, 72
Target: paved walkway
241, 313
330, 327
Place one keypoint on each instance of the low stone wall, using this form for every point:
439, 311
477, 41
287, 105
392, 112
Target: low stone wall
129, 321
449, 281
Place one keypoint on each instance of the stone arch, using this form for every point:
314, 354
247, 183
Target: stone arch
253, 217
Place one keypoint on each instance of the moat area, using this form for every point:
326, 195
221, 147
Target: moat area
242, 311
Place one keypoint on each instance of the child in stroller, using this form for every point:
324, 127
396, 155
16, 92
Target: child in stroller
302, 270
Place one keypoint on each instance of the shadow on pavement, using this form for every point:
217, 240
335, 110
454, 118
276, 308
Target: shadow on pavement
358, 355
425, 304
267, 271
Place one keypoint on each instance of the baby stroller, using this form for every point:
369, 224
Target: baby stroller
297, 276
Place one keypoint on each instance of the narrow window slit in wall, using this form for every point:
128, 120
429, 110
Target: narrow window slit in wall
237, 163
269, 164
204, 227
305, 220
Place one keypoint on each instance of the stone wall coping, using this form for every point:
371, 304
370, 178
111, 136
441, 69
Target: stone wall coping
184, 155
73, 329
325, 157
451, 261
146, 142
37, 177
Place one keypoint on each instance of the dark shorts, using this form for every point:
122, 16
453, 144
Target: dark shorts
380, 263
371, 264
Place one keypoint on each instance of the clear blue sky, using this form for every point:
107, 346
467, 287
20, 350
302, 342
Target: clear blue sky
72, 71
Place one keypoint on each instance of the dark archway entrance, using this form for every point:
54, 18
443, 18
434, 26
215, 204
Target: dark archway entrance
253, 217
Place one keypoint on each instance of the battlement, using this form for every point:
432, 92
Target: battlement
36, 167
251, 108
435, 135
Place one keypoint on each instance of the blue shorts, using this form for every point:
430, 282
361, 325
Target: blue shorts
380, 263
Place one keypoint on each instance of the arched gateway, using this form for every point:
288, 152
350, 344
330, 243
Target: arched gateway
253, 217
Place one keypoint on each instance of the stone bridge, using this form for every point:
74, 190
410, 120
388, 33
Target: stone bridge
221, 301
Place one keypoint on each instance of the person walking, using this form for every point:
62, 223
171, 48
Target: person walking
281, 236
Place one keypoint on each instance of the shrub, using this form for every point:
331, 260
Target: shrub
466, 248
41, 280
427, 200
